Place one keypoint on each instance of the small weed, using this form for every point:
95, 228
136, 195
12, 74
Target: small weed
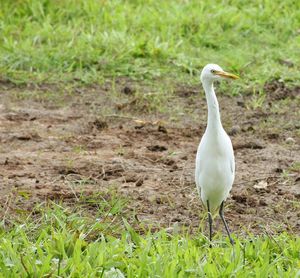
295, 167
79, 149
257, 100
120, 151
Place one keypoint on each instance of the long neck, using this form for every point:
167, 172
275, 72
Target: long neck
213, 120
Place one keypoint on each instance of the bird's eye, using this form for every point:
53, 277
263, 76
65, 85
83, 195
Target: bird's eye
213, 71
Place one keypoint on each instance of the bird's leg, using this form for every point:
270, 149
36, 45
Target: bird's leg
221, 212
209, 221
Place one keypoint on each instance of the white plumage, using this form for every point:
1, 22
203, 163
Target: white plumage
215, 166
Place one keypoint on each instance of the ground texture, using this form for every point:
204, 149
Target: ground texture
64, 144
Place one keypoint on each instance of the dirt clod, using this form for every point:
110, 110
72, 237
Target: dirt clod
98, 124
26, 137
240, 198
127, 90
277, 90
157, 148
248, 145
162, 129
285, 62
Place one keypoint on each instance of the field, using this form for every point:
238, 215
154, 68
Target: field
101, 114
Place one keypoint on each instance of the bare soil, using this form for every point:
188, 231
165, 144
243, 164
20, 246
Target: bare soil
59, 145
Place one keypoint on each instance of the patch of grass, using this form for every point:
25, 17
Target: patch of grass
295, 167
47, 97
257, 100
88, 40
151, 102
58, 243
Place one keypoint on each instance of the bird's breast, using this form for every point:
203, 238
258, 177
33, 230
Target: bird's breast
214, 165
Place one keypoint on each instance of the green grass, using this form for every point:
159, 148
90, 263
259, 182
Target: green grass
89, 40
63, 243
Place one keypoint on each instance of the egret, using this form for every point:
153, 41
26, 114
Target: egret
215, 166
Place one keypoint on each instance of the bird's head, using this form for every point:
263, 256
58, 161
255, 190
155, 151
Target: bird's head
213, 72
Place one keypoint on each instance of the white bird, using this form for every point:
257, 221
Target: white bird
215, 166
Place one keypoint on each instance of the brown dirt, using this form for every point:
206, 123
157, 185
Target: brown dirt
58, 151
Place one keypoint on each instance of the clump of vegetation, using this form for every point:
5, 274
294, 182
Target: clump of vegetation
65, 243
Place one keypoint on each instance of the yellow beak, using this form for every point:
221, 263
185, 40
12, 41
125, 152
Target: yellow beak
226, 74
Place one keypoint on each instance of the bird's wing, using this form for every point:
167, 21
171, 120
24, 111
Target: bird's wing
199, 160
231, 155
232, 166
